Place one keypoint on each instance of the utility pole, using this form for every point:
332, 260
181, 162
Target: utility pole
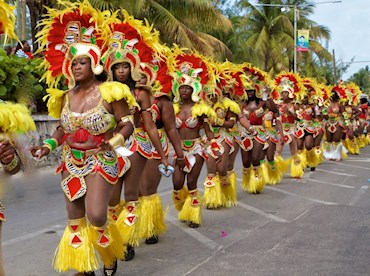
295, 39
335, 68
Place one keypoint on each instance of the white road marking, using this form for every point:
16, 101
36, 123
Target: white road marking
304, 197
328, 183
28, 236
335, 172
348, 165
357, 196
262, 213
194, 233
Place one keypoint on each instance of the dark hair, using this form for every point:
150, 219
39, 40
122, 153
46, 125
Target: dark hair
335, 96
363, 100
20, 45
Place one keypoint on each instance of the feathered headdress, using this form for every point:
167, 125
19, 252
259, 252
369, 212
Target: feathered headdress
261, 81
163, 83
7, 21
353, 92
15, 118
236, 81
340, 90
70, 33
313, 88
135, 43
190, 69
292, 83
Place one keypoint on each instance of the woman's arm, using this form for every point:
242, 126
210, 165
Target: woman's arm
168, 118
149, 125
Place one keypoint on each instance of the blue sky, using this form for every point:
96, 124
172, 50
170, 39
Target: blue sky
349, 24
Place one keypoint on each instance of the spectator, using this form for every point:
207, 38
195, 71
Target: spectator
23, 51
8, 49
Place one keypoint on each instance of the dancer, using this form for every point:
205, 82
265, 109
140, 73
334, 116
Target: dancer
190, 74
333, 149
132, 43
14, 119
220, 183
306, 115
262, 83
152, 222
290, 87
94, 123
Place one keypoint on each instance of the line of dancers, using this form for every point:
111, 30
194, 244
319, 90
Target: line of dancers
131, 98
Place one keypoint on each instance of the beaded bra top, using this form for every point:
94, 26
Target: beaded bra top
96, 120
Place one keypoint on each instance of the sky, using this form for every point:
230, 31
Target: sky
349, 25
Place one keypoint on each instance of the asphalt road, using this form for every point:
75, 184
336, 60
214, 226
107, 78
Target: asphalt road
319, 225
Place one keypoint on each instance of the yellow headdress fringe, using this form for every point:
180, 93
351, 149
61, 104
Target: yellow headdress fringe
115, 91
55, 101
8, 21
200, 109
15, 118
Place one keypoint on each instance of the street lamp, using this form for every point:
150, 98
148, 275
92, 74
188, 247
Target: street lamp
286, 8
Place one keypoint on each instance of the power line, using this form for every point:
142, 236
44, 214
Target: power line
360, 61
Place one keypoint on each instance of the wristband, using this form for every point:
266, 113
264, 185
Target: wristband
117, 140
12, 165
128, 118
51, 144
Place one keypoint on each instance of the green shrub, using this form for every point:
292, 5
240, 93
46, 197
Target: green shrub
19, 80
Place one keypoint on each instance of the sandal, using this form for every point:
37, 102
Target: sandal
110, 271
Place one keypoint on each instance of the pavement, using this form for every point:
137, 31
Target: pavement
318, 225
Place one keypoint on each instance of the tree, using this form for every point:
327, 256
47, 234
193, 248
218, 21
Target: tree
187, 23
264, 35
362, 79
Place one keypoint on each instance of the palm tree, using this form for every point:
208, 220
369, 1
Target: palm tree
264, 35
187, 23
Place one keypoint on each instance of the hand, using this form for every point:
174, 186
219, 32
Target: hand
7, 152
164, 161
39, 152
104, 146
180, 163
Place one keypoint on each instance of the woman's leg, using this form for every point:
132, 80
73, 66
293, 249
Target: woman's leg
191, 211
152, 219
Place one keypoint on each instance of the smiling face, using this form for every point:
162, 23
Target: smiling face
81, 69
185, 92
143, 79
121, 71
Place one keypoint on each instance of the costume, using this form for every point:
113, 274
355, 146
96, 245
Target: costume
76, 31
307, 123
335, 121
261, 82
192, 70
292, 84
15, 119
220, 190
137, 43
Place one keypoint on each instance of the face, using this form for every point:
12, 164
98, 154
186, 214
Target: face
185, 91
305, 99
285, 95
81, 69
143, 79
251, 95
213, 98
122, 71
26, 47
